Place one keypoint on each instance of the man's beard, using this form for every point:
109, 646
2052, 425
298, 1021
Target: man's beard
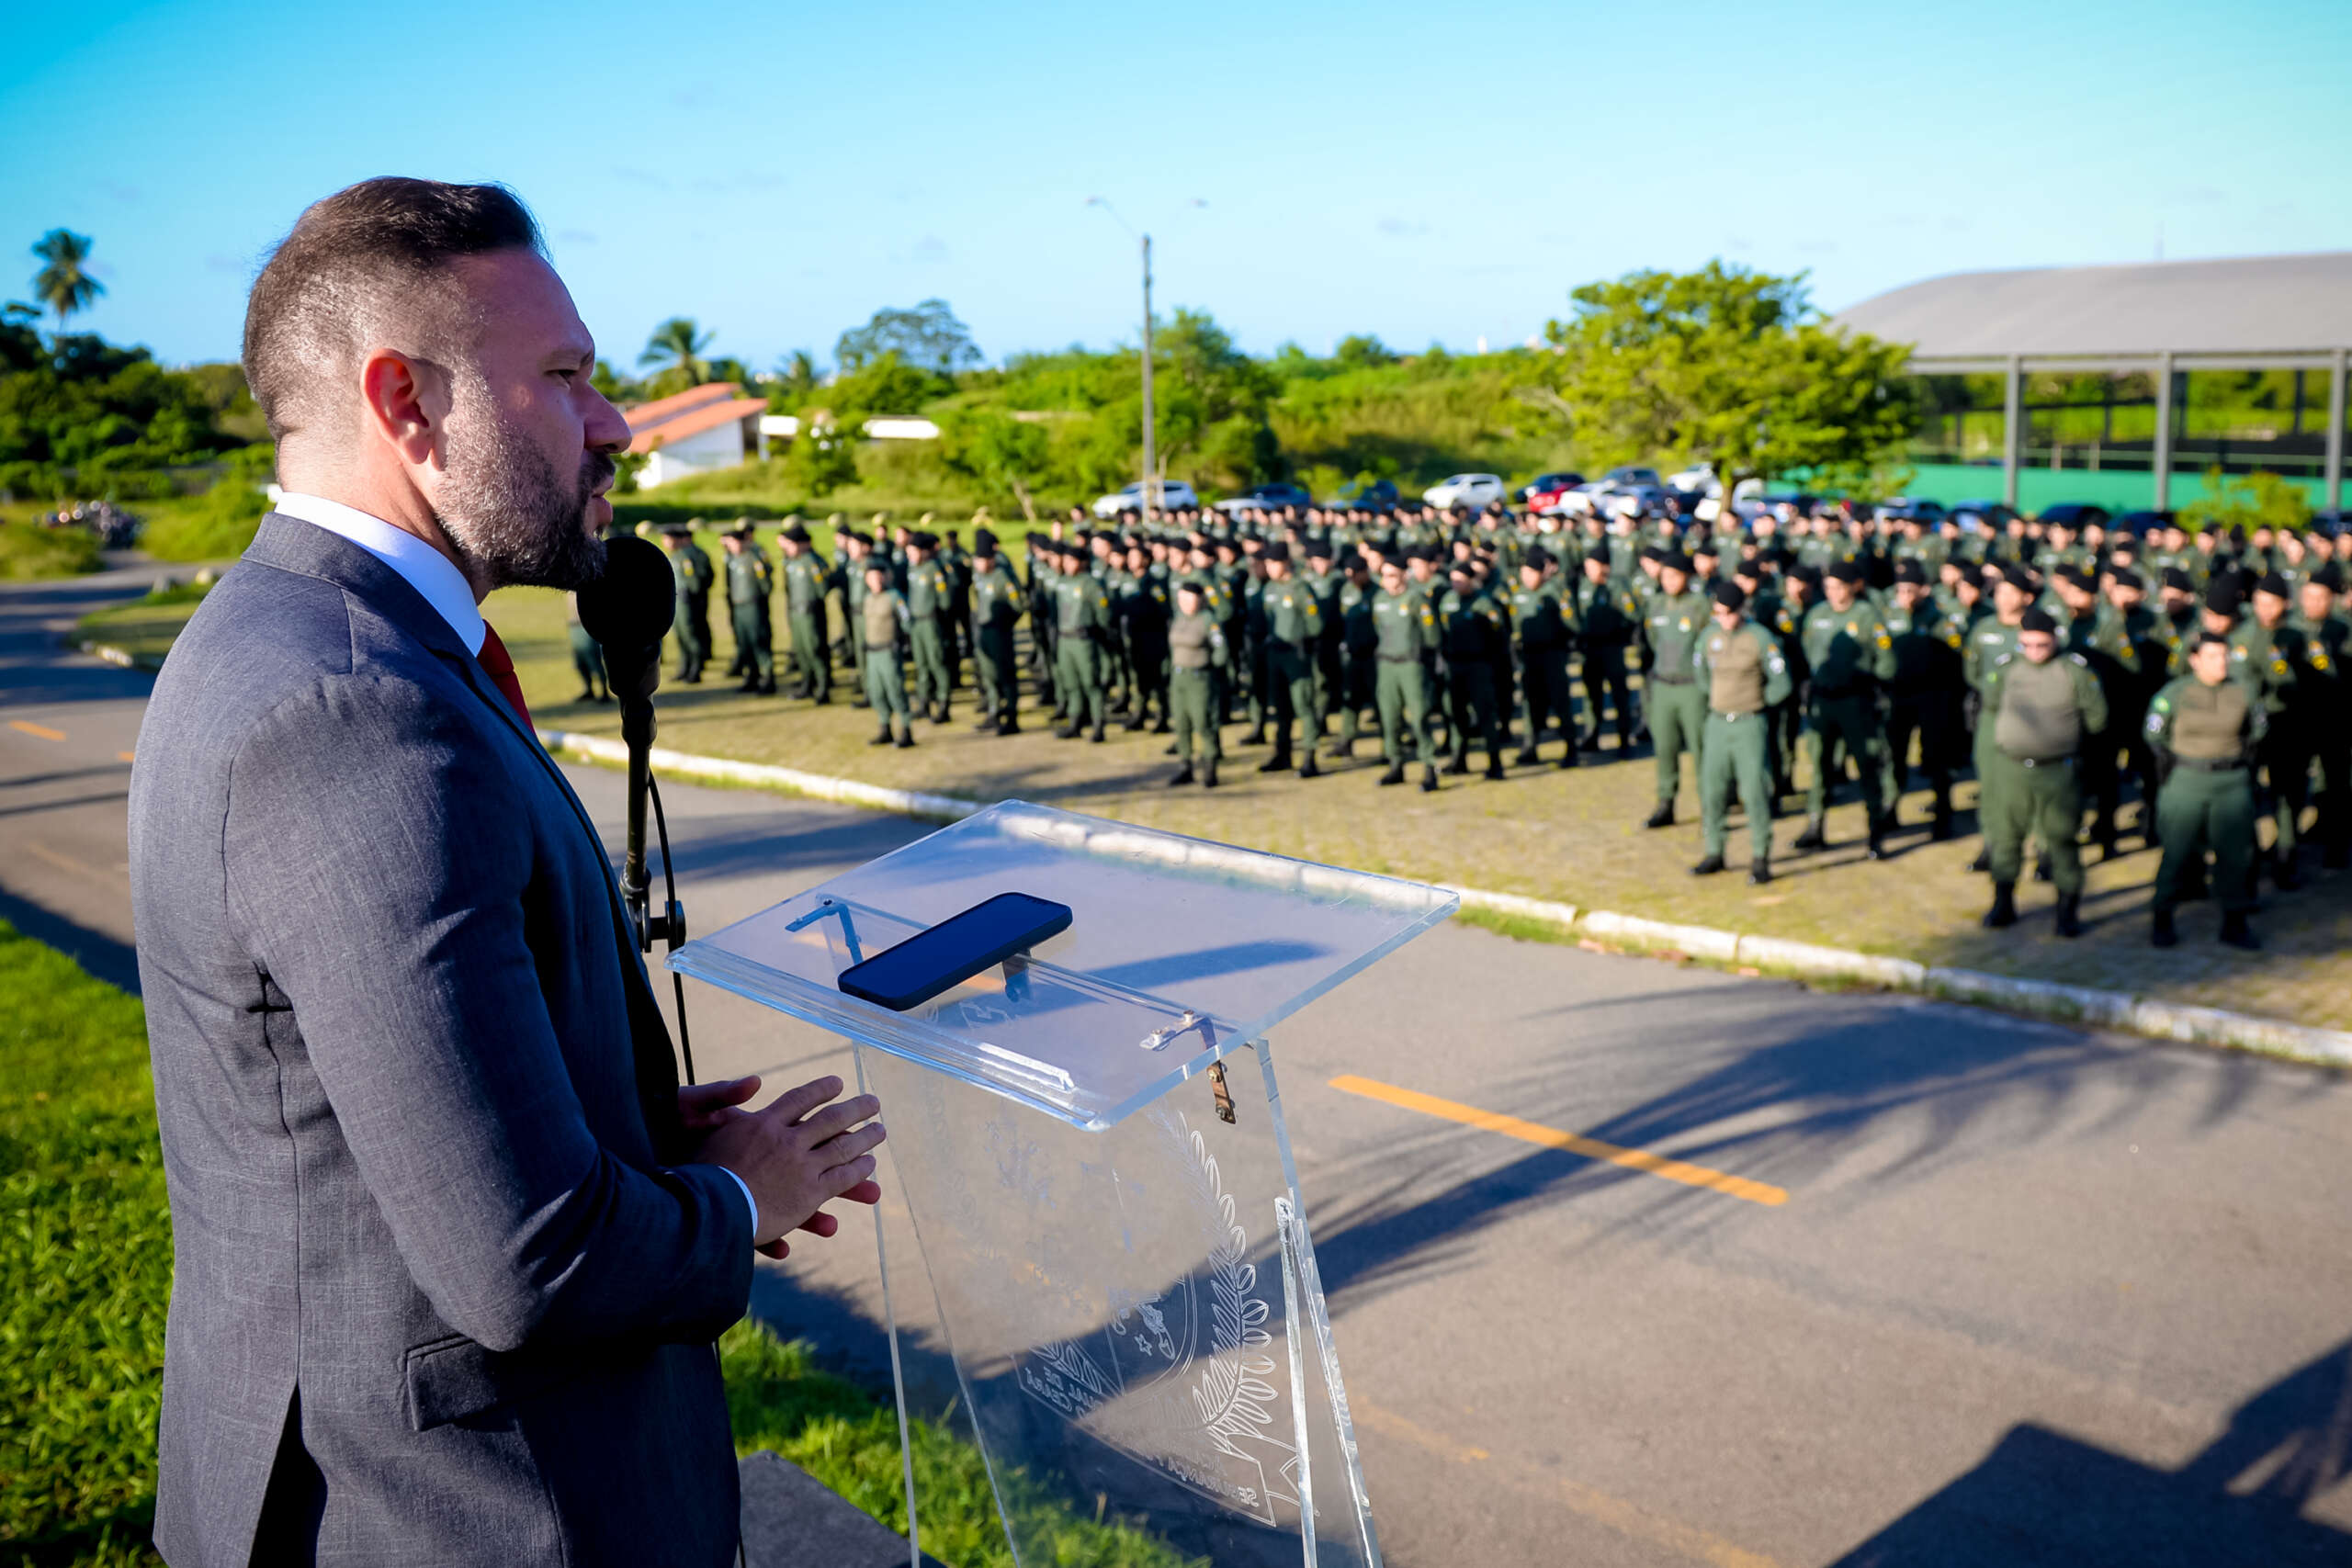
509, 516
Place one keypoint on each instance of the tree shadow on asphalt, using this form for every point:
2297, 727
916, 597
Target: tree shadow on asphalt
2043, 1497
1779, 1099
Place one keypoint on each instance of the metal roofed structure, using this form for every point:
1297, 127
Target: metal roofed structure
2164, 319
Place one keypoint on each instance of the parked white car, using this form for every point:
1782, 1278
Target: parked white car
1473, 490
1172, 492
1699, 479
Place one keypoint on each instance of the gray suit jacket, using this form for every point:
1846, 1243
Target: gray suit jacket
436, 1297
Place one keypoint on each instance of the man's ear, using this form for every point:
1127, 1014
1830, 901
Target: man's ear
401, 410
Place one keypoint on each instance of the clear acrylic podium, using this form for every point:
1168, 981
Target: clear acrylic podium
1089, 1144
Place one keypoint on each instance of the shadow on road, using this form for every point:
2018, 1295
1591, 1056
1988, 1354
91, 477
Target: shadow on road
2041, 1498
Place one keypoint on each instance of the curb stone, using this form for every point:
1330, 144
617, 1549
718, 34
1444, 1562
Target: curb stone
2040, 999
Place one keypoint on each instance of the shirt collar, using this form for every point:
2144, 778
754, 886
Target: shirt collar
434, 575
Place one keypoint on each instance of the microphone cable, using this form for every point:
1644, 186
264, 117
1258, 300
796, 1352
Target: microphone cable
670, 892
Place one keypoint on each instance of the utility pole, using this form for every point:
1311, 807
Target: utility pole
1150, 468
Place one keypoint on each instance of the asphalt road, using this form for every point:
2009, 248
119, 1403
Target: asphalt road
2033, 1296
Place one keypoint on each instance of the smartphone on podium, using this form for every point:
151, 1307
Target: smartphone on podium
952, 952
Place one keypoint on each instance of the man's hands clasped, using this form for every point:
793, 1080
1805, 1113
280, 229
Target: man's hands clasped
795, 1154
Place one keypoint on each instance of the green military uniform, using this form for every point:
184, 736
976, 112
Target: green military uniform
1198, 659
1924, 694
2205, 739
691, 576
1608, 620
927, 636
2040, 716
805, 579
1745, 677
749, 584
881, 618
587, 656
2324, 684
1082, 627
1990, 640
1672, 700
996, 598
1358, 662
1292, 616
1404, 631
1139, 609
1542, 622
2266, 660
1470, 631
1327, 585
1849, 654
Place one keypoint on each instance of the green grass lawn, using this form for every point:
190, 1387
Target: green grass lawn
1574, 837
85, 1273
28, 551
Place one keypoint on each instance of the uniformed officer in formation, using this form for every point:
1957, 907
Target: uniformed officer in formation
1404, 635
692, 576
2039, 705
2206, 727
1544, 624
927, 612
587, 656
1083, 624
997, 600
1291, 617
1745, 675
1849, 655
883, 621
806, 580
1925, 690
1472, 636
1198, 659
748, 583
1672, 623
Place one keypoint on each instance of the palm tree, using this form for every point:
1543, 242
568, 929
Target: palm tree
677, 345
63, 285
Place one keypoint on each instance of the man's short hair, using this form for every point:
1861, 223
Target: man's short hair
349, 257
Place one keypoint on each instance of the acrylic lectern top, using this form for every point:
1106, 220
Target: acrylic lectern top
1179, 949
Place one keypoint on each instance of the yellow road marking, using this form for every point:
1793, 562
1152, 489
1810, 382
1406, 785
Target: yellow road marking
1629, 1519
43, 730
125, 757
1574, 1143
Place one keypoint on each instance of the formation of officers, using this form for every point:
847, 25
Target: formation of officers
2074, 673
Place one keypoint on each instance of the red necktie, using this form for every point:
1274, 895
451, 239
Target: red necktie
500, 668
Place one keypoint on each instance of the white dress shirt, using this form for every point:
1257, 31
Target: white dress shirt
436, 578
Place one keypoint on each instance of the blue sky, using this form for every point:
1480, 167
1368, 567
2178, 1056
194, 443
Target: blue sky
1425, 172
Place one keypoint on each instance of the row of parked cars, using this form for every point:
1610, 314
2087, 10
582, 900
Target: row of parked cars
1692, 492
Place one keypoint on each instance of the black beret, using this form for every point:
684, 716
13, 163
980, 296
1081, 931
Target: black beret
984, 539
2176, 578
2074, 577
1808, 575
1318, 550
1275, 551
1536, 557
1909, 570
2329, 576
797, 534
2126, 578
2221, 595
2273, 583
2018, 578
1848, 570
677, 530
1674, 561
1731, 595
2038, 619
922, 539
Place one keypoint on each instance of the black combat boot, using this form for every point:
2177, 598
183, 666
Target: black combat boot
1069, 731
1208, 773
1163, 727
1009, 727
1815, 835
1135, 726
1307, 768
1939, 829
2283, 875
2160, 929
1526, 758
2004, 912
1097, 736
1429, 778
2237, 933
2069, 914
1662, 817
1279, 761
1459, 767
1394, 775
907, 739
1759, 872
1568, 755
1183, 776
1494, 766
1709, 866
1257, 736
1341, 752
881, 739
1878, 843
986, 727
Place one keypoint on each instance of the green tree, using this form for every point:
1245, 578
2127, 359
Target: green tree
927, 337
798, 379
1003, 451
1726, 365
822, 459
1359, 350
676, 345
64, 284
2259, 500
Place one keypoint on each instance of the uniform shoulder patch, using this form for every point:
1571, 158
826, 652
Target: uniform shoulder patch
2080, 659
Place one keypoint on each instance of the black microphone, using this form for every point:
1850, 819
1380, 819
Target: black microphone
628, 610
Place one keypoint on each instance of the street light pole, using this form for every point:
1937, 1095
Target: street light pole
1150, 468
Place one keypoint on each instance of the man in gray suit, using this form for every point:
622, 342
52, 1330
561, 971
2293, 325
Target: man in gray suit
450, 1242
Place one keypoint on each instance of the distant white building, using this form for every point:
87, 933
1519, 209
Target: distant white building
698, 431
